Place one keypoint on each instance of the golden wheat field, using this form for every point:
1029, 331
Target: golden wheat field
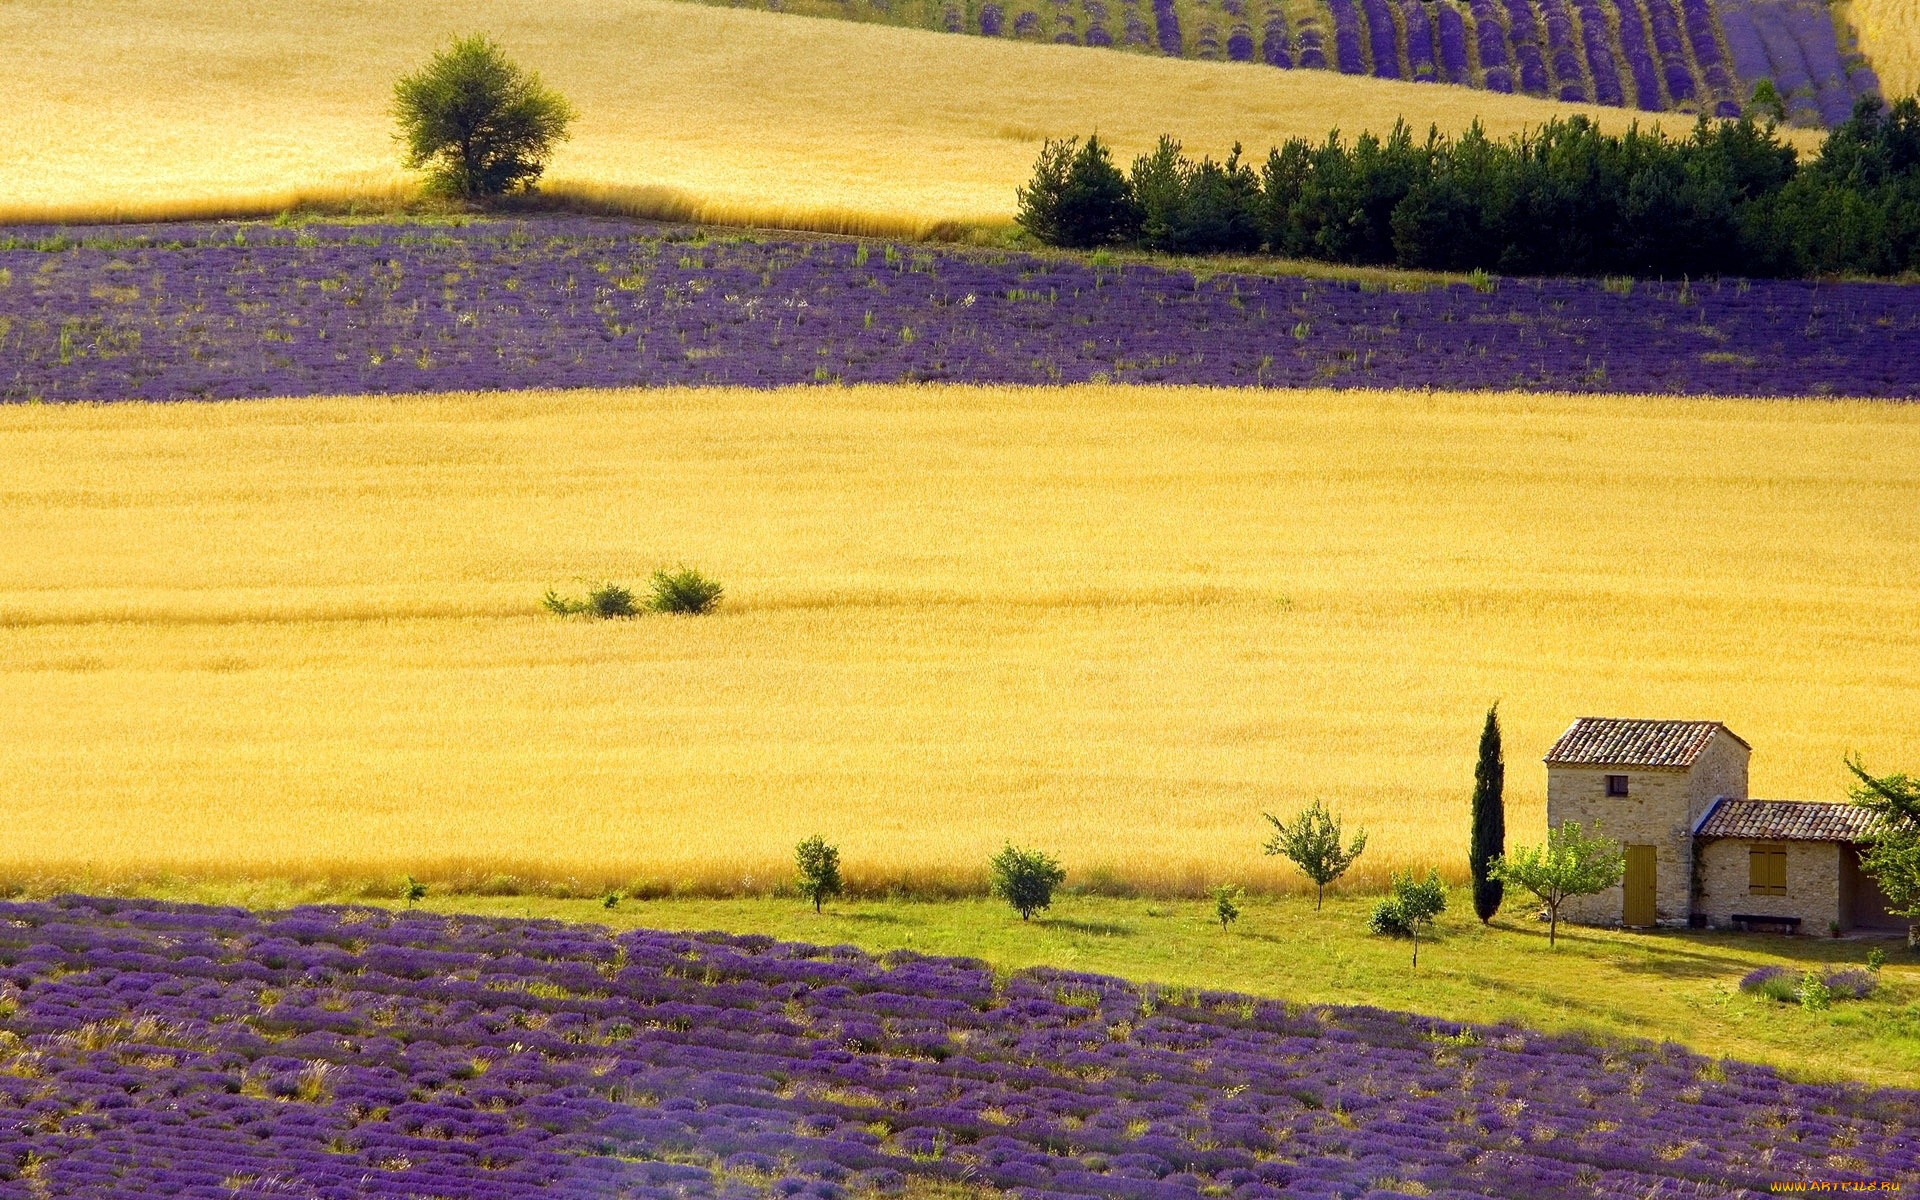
139, 108
304, 638
1889, 32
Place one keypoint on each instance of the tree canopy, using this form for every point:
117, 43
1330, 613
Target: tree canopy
1892, 854
479, 125
1569, 863
1312, 842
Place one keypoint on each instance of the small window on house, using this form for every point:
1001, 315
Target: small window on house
1766, 870
1616, 785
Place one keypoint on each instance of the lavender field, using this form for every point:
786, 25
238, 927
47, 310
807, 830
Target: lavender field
225, 311
1657, 55
151, 1049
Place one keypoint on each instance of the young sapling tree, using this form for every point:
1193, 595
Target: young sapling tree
1570, 863
1411, 905
1312, 842
1226, 904
818, 868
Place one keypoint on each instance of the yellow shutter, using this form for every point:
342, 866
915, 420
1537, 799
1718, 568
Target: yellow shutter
1767, 870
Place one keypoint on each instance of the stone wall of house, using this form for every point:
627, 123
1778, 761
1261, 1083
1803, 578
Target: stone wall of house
1720, 769
1660, 809
1654, 812
1813, 884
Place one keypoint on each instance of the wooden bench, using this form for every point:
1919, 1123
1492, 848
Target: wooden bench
1759, 922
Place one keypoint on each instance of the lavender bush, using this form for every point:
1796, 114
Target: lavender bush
157, 1050
224, 311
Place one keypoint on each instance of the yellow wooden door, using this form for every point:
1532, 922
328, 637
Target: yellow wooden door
1640, 887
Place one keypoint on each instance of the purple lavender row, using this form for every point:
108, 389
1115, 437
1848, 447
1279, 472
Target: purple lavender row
1639, 59
1490, 38
353, 1053
1349, 51
1790, 73
1670, 46
1421, 66
1313, 50
1701, 27
225, 311
1568, 79
1600, 60
1744, 46
1166, 24
1275, 47
1455, 65
1526, 47
1383, 38
1813, 28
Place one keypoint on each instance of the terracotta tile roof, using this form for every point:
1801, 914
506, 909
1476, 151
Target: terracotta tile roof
1786, 821
1615, 742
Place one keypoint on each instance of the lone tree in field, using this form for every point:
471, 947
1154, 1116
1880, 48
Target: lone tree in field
819, 870
479, 125
1311, 841
1025, 878
1077, 197
1569, 864
1489, 837
1892, 855
1411, 904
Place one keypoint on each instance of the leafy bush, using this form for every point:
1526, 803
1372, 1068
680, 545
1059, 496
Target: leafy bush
1411, 905
818, 868
413, 890
1387, 920
683, 591
603, 600
478, 124
1025, 878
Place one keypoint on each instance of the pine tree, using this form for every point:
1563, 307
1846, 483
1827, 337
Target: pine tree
1489, 838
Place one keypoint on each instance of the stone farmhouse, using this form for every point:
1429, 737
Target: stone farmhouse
1699, 850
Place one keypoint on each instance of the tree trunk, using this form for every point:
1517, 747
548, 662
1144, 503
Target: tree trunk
1553, 922
1319, 890
1416, 947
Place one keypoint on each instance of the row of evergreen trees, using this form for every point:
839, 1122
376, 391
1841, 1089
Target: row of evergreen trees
1729, 198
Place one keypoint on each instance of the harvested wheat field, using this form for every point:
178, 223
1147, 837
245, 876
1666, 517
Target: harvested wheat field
686, 111
304, 638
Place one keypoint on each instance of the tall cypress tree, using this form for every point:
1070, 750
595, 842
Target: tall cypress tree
1489, 840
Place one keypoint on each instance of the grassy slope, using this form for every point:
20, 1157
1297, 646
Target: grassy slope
162, 106
303, 638
1608, 983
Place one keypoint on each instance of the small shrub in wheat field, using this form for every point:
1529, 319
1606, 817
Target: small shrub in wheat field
684, 591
